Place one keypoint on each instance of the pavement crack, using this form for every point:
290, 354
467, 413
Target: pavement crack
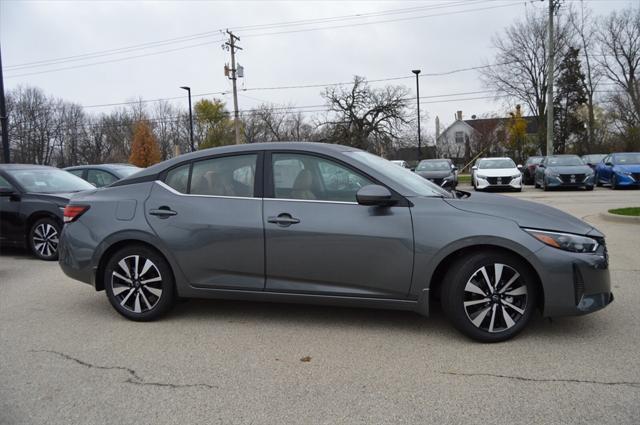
523, 378
133, 379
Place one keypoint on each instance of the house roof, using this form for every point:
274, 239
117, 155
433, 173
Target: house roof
483, 123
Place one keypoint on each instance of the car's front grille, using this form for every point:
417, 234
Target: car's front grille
499, 180
572, 178
437, 181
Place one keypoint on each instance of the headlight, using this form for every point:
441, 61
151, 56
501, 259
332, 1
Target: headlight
515, 176
624, 173
481, 176
565, 241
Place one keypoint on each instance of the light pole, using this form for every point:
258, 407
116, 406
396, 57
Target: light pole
417, 71
188, 89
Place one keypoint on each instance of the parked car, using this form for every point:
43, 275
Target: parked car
401, 163
101, 175
530, 166
32, 198
329, 224
496, 173
593, 160
619, 170
439, 171
564, 171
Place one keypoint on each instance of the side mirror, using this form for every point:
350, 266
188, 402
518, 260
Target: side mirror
540, 165
609, 164
475, 167
519, 167
7, 191
374, 194
454, 168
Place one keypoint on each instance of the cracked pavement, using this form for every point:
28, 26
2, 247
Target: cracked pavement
67, 358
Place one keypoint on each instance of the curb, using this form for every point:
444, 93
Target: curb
617, 218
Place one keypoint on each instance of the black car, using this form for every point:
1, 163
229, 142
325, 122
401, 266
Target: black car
32, 199
103, 174
439, 171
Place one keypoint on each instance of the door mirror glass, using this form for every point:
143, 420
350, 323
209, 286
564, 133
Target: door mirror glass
374, 194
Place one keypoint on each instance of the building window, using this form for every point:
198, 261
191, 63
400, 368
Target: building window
459, 137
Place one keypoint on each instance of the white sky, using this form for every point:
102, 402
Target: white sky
40, 30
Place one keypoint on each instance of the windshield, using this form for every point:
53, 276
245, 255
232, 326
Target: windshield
434, 166
534, 160
627, 158
487, 164
49, 180
561, 161
127, 171
592, 159
408, 178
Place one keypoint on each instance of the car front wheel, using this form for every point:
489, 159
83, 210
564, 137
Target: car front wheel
139, 283
489, 296
43, 239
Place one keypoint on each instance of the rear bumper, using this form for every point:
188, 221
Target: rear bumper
573, 283
75, 263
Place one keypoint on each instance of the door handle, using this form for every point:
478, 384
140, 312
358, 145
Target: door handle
283, 220
163, 212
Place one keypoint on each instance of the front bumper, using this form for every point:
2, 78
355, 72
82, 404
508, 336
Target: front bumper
627, 180
574, 283
503, 183
560, 181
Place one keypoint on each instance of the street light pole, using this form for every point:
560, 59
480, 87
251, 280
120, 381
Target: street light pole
188, 89
417, 71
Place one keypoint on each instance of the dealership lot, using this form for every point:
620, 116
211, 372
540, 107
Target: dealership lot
67, 357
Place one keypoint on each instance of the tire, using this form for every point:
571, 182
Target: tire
535, 184
588, 187
43, 239
544, 186
614, 183
465, 283
129, 294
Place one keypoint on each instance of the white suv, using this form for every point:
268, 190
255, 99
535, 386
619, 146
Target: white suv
499, 173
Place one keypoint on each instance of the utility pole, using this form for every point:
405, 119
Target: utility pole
417, 71
4, 120
553, 5
231, 46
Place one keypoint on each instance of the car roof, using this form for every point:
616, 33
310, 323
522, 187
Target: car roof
26, 167
248, 147
100, 166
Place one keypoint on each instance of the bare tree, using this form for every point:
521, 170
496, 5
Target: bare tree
364, 117
521, 63
619, 40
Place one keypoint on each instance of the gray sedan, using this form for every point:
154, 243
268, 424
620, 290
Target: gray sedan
328, 224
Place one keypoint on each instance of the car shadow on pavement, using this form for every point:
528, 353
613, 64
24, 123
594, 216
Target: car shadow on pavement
16, 253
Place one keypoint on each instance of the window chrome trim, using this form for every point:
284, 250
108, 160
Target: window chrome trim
175, 192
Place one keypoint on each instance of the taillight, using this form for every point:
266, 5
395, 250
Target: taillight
73, 212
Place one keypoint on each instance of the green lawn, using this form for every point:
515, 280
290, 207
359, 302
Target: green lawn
632, 211
464, 178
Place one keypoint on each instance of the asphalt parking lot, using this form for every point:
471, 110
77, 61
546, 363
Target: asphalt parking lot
66, 357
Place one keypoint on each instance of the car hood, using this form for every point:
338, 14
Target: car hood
630, 168
497, 172
434, 174
571, 169
526, 213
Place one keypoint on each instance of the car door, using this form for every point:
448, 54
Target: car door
320, 240
11, 222
605, 171
208, 213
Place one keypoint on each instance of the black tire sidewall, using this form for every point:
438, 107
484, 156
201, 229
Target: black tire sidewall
31, 242
168, 284
453, 293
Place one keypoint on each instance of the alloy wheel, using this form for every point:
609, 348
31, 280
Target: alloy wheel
495, 298
45, 239
136, 283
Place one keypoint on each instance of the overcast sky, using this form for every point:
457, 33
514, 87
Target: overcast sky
396, 37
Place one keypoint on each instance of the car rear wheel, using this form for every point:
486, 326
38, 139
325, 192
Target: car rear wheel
43, 239
139, 283
489, 296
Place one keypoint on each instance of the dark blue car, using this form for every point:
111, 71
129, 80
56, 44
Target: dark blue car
619, 170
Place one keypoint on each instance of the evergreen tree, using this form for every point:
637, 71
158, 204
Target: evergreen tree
144, 148
570, 96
